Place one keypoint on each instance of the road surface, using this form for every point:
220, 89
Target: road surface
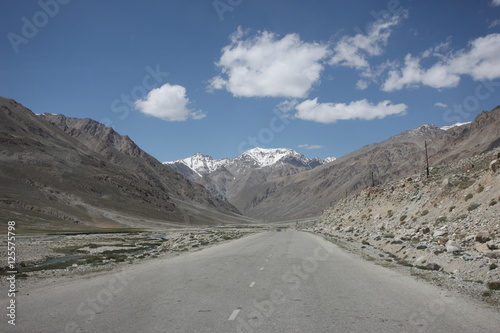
285, 281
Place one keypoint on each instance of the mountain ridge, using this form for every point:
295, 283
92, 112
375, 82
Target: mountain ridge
64, 172
306, 194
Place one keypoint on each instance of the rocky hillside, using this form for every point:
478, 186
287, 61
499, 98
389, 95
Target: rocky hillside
229, 178
308, 193
449, 222
60, 172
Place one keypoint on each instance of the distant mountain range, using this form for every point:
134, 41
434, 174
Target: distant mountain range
60, 173
228, 178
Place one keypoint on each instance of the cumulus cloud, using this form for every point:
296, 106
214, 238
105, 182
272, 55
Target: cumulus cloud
310, 147
267, 66
328, 113
362, 84
168, 102
494, 23
441, 105
353, 51
481, 61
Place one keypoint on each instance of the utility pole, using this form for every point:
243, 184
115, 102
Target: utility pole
426, 159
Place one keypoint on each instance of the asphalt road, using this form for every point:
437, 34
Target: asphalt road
269, 282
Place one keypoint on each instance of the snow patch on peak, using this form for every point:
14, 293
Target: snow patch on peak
445, 128
269, 156
200, 163
329, 159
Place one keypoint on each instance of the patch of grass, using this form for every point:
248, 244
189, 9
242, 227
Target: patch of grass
403, 217
468, 196
473, 206
403, 262
487, 293
365, 242
464, 183
425, 268
441, 219
425, 212
389, 236
390, 213
493, 285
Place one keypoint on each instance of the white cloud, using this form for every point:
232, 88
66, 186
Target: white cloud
441, 105
362, 84
266, 66
481, 61
494, 23
169, 102
287, 106
496, 3
328, 113
353, 51
310, 147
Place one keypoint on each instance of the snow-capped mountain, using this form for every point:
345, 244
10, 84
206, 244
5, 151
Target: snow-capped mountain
228, 177
202, 164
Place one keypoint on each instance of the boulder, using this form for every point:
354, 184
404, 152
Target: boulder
439, 233
483, 237
481, 248
453, 247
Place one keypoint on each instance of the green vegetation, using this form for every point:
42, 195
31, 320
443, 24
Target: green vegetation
425, 212
493, 202
468, 196
403, 217
441, 219
493, 285
464, 183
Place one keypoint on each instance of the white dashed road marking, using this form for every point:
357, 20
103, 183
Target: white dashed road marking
233, 315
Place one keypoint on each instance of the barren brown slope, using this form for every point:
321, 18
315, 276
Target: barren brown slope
307, 194
50, 179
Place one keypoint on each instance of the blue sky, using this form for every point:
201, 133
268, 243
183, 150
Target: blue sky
322, 77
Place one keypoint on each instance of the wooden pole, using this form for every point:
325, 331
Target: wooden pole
426, 159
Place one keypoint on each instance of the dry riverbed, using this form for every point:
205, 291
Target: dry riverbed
43, 258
